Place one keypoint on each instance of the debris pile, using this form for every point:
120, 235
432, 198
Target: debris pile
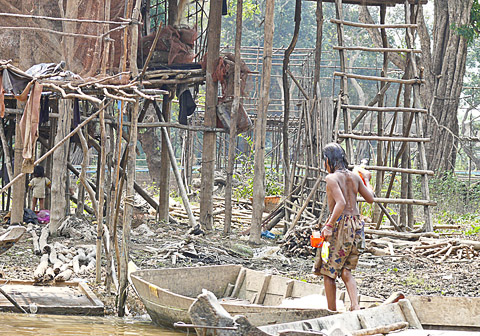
297, 243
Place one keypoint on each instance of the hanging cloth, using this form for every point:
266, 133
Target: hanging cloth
29, 126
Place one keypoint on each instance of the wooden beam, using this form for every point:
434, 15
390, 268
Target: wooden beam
382, 138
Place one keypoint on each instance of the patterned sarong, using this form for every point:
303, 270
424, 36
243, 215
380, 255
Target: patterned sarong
347, 242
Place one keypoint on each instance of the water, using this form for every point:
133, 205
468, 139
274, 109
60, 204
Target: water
55, 325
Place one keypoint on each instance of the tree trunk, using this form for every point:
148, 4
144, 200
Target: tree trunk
260, 127
232, 141
151, 144
286, 95
128, 210
209, 138
444, 76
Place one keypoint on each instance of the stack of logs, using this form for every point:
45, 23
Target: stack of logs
297, 243
241, 212
59, 263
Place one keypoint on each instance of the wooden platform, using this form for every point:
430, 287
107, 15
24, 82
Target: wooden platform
67, 298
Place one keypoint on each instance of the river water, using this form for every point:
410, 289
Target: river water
56, 325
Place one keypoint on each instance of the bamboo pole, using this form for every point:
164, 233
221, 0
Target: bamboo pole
385, 109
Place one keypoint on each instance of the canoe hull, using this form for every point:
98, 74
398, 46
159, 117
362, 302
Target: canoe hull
159, 291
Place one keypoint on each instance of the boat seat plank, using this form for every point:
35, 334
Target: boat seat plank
382, 315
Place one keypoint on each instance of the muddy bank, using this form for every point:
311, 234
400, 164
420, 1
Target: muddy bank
156, 245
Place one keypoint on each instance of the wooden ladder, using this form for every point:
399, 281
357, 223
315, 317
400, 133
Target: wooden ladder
414, 113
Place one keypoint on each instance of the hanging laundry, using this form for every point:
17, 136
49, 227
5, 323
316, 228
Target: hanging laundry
186, 102
29, 126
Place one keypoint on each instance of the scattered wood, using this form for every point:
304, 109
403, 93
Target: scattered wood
402, 235
36, 246
41, 268
43, 238
64, 276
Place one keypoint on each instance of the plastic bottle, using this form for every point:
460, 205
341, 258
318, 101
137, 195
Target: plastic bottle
325, 251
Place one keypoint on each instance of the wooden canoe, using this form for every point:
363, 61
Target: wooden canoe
439, 316
168, 293
10, 237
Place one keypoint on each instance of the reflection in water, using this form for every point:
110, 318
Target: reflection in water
55, 325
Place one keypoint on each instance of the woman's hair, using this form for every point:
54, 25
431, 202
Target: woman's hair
335, 155
38, 171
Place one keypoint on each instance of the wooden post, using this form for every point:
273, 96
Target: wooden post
59, 170
101, 195
18, 189
164, 183
232, 141
260, 126
209, 138
134, 39
128, 210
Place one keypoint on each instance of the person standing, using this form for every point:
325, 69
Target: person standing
344, 229
39, 184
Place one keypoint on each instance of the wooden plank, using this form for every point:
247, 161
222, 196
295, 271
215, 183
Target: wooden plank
66, 298
239, 282
443, 311
263, 291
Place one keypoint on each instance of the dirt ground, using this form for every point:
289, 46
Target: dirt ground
155, 245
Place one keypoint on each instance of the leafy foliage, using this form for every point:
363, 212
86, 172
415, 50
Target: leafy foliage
472, 30
244, 175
